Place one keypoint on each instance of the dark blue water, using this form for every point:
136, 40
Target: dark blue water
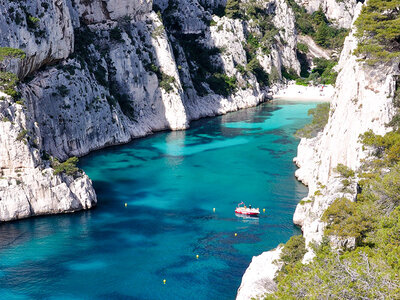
171, 182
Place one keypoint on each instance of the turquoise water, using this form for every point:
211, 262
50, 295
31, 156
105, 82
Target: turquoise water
170, 181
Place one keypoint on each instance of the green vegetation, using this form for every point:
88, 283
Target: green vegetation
166, 82
254, 67
8, 80
370, 268
348, 177
292, 253
232, 9
241, 69
8, 83
84, 37
274, 75
158, 31
6, 53
116, 34
302, 81
222, 84
32, 21
205, 64
378, 30
302, 47
289, 74
325, 71
344, 171
264, 34
322, 73
68, 167
22, 135
345, 219
320, 116
318, 27
205, 68
364, 273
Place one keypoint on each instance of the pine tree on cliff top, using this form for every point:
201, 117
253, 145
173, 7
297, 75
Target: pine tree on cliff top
378, 30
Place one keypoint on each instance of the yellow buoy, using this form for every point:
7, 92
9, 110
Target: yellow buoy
164, 281
214, 209
126, 204
197, 256
263, 209
235, 234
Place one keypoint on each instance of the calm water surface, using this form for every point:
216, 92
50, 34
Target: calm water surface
171, 182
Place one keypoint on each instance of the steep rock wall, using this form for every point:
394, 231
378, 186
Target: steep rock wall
105, 73
43, 29
28, 185
96, 11
362, 101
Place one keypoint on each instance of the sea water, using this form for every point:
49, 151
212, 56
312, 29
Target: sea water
166, 212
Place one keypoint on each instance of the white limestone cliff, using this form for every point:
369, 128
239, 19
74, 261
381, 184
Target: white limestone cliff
42, 29
95, 80
282, 54
362, 101
340, 12
259, 276
104, 72
97, 11
28, 185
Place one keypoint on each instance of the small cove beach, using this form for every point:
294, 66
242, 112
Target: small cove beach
294, 92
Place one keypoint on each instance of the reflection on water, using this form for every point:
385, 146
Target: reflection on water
171, 182
248, 219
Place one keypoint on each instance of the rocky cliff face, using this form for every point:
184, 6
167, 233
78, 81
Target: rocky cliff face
340, 12
28, 185
362, 101
45, 40
99, 73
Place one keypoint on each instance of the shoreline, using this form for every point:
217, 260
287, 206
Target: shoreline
258, 279
294, 92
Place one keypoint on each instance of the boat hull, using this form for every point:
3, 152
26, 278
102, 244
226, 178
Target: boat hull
247, 213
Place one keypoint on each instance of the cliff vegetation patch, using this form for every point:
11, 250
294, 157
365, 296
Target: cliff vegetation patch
369, 267
68, 167
320, 116
8, 53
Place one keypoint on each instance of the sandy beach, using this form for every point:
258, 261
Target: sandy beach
303, 93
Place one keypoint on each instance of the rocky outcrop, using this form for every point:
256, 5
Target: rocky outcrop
97, 11
340, 12
28, 185
314, 50
43, 30
105, 73
284, 20
363, 101
259, 276
282, 54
